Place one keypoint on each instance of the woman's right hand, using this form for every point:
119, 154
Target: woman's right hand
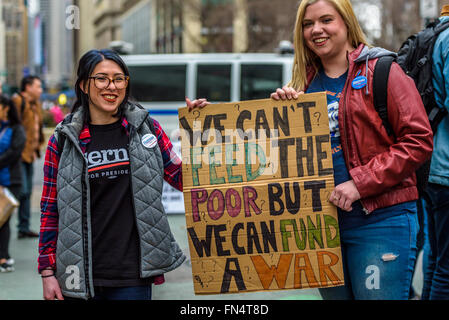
51, 288
286, 93
198, 103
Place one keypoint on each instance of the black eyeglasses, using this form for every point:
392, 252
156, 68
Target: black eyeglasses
102, 82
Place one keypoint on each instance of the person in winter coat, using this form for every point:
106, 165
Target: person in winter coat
30, 112
12, 142
375, 184
104, 232
436, 278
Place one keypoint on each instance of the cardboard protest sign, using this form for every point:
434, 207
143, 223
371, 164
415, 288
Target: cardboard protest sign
257, 176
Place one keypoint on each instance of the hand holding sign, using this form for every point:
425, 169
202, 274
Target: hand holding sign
286, 93
344, 195
256, 177
198, 103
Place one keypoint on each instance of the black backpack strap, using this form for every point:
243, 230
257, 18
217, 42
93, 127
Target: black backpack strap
61, 137
61, 141
149, 120
440, 27
380, 90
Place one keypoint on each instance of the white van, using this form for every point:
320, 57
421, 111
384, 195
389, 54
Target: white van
160, 83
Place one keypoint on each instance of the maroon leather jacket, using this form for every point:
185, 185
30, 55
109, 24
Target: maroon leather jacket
381, 166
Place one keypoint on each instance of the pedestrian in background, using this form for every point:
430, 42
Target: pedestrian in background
374, 173
57, 114
12, 142
102, 215
29, 108
436, 276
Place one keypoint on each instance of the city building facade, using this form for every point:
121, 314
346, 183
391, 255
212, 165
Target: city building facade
15, 37
57, 30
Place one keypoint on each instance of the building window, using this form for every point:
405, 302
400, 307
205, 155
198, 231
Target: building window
137, 29
214, 82
158, 83
259, 80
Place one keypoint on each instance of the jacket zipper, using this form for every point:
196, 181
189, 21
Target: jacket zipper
343, 113
345, 149
131, 132
85, 234
84, 223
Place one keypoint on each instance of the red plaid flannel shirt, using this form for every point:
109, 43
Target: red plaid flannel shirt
49, 209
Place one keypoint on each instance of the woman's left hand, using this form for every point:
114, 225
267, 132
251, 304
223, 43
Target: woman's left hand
344, 195
198, 103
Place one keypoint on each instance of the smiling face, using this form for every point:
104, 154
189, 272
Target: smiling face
104, 102
324, 31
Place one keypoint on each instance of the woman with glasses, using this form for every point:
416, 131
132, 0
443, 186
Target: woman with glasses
104, 233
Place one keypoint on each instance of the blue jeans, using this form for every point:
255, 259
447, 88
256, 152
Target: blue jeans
436, 274
428, 266
25, 197
378, 260
123, 293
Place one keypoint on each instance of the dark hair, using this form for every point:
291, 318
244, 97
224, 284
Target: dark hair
86, 66
13, 116
28, 80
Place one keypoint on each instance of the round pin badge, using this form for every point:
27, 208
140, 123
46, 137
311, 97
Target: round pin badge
359, 82
149, 140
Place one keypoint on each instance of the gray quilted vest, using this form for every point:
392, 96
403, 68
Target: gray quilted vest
158, 249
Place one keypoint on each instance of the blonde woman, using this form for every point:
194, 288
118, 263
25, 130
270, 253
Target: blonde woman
373, 171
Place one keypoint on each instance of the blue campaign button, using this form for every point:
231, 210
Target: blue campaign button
359, 82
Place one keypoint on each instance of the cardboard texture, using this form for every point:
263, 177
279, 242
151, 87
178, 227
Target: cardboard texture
257, 176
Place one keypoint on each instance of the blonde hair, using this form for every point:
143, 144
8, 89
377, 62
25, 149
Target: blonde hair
304, 57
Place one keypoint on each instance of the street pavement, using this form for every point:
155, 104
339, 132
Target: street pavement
25, 283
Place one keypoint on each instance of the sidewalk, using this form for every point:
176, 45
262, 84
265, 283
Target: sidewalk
25, 283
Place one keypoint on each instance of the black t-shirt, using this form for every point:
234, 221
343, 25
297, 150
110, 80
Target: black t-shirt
115, 240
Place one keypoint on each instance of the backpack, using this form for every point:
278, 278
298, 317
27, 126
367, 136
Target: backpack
415, 58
